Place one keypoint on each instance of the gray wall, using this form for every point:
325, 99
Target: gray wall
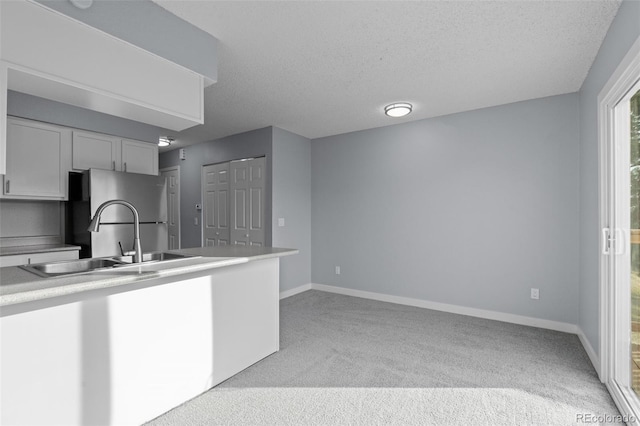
624, 31
471, 209
145, 24
256, 143
292, 201
35, 108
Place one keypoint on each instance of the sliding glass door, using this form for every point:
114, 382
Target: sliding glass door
619, 128
634, 235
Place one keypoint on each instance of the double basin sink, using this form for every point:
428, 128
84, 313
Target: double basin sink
81, 266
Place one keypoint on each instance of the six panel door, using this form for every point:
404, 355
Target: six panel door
215, 227
247, 202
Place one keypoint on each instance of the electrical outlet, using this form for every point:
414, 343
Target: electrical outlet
281, 221
535, 293
337, 270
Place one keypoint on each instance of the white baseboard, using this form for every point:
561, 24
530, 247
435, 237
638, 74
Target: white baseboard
455, 309
595, 359
294, 291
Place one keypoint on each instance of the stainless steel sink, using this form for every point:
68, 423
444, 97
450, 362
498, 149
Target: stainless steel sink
81, 266
152, 257
67, 267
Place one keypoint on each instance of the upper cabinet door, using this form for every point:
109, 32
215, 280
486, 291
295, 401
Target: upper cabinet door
37, 160
95, 151
139, 157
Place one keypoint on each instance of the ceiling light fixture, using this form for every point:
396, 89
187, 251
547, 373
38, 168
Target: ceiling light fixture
399, 109
164, 141
82, 4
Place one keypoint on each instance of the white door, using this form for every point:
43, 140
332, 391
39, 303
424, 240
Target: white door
215, 197
247, 202
172, 174
619, 126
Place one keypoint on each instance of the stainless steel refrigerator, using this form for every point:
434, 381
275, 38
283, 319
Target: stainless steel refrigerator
89, 189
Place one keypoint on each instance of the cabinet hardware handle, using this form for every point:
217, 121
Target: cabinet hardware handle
125, 166
7, 186
246, 235
113, 166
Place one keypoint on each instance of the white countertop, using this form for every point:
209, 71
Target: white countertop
20, 286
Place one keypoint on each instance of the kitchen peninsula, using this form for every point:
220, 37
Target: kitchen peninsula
124, 345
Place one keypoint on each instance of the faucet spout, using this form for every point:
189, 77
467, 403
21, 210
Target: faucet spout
94, 226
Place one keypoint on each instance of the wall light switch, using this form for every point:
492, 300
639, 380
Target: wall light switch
195, 221
281, 221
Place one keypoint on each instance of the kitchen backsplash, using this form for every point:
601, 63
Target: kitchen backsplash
27, 220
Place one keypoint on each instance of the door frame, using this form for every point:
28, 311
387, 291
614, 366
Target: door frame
168, 169
612, 257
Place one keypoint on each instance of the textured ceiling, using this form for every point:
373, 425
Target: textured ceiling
319, 68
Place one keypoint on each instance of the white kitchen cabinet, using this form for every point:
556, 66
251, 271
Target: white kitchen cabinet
27, 258
139, 157
38, 157
95, 151
99, 151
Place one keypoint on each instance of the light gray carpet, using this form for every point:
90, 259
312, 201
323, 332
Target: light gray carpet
346, 360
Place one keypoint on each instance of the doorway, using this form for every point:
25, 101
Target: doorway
172, 174
233, 195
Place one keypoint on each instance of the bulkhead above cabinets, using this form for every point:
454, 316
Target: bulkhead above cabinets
48, 54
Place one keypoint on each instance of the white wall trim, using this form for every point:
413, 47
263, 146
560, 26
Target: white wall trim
616, 88
624, 77
595, 359
614, 300
455, 309
294, 291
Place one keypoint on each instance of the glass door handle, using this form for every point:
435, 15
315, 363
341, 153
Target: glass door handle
615, 240
606, 241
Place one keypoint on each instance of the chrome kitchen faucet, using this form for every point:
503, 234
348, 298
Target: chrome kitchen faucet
94, 226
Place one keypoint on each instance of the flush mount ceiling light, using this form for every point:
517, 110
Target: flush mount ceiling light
399, 109
82, 4
164, 141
